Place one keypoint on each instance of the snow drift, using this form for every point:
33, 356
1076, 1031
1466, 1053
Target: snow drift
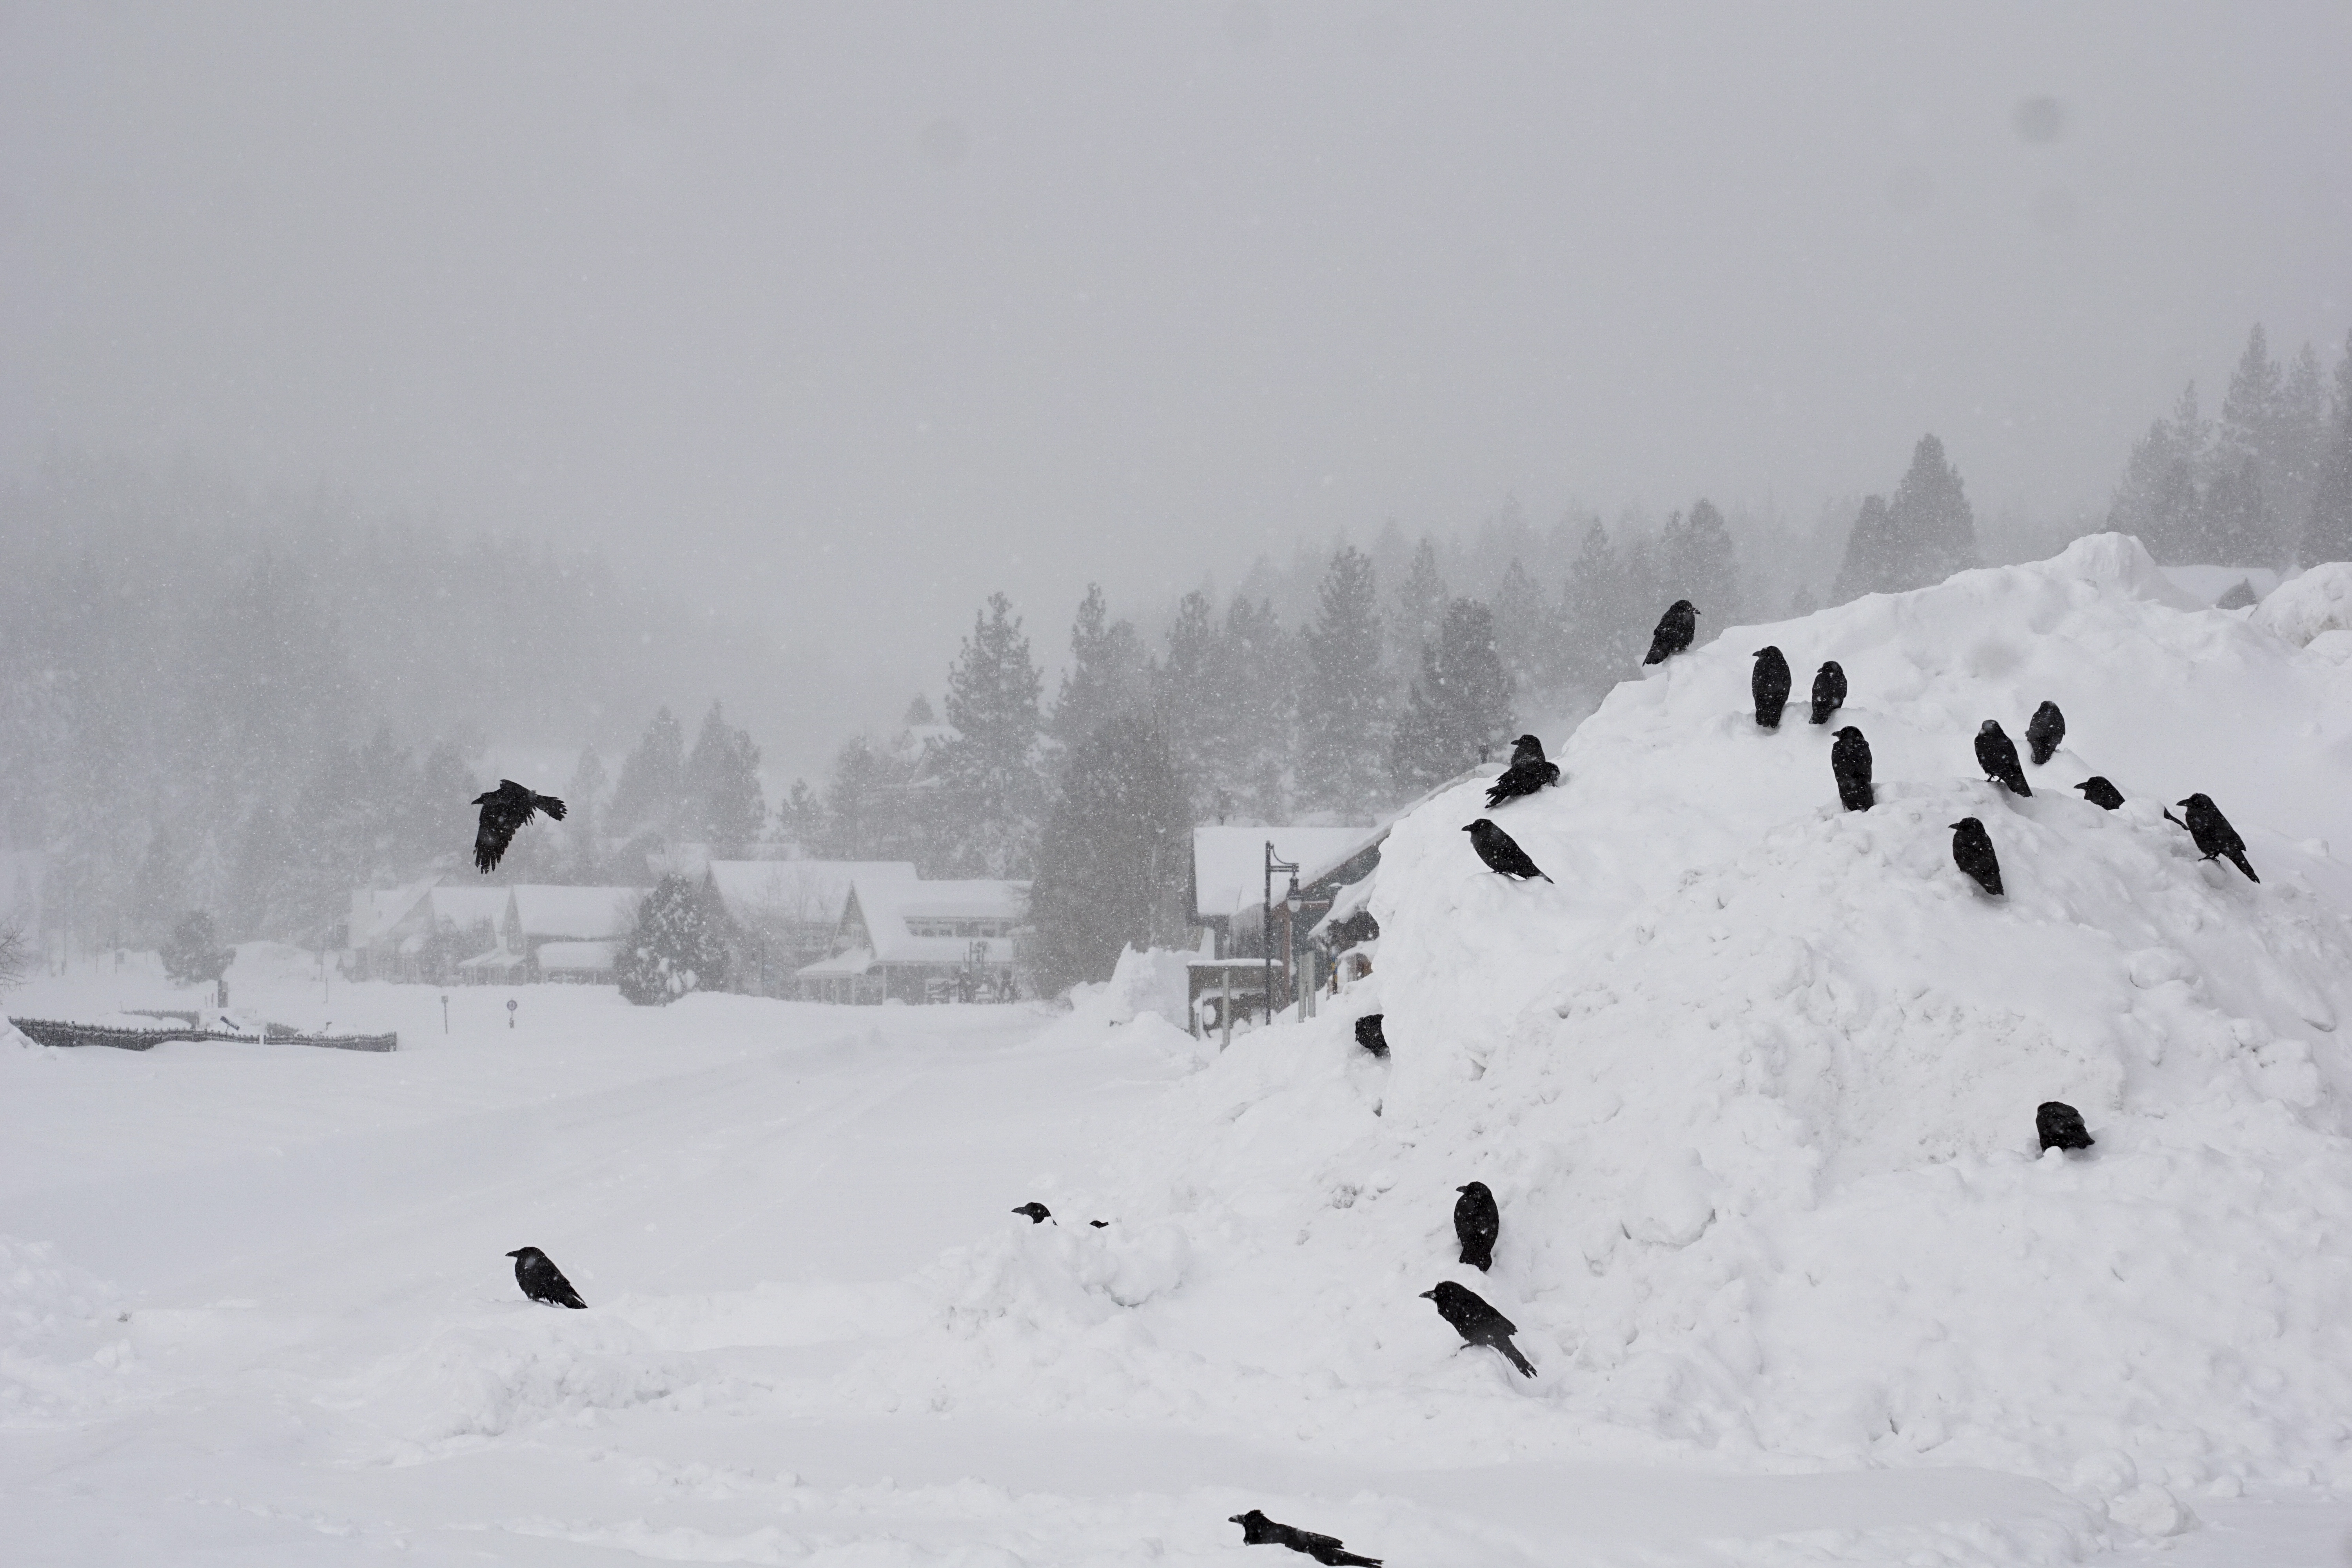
1755, 1085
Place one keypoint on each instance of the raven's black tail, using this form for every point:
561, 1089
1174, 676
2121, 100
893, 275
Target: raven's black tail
2238, 859
1526, 1367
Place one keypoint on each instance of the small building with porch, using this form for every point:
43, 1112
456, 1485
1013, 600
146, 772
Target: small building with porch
904, 940
785, 914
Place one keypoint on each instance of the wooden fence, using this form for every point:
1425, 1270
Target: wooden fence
59, 1033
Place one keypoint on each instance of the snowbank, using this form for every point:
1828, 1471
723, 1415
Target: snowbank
2319, 601
1755, 1083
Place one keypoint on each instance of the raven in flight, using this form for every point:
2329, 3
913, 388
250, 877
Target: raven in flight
505, 810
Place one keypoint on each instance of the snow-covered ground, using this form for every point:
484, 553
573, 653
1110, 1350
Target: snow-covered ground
1754, 1082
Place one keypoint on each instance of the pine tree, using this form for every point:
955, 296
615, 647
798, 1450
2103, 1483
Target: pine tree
1252, 692
1339, 716
1114, 861
800, 819
1459, 709
1591, 605
2178, 519
1923, 535
1185, 687
2300, 437
859, 812
1872, 561
2239, 529
652, 779
195, 955
726, 808
1525, 631
583, 821
1421, 601
1107, 671
918, 714
2246, 459
2328, 534
990, 768
678, 944
2139, 507
1701, 564
158, 890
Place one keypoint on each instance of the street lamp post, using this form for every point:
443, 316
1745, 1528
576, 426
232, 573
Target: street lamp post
1266, 916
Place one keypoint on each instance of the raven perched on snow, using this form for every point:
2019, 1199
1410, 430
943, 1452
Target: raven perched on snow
505, 810
1038, 1213
1769, 686
541, 1280
1997, 757
1972, 853
1675, 629
1850, 766
2060, 1126
1477, 1223
2214, 835
2043, 731
1259, 1530
1528, 773
1501, 851
2100, 793
1829, 691
1476, 1322
1371, 1036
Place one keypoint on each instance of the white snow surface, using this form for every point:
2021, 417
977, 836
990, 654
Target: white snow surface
1753, 1082
2310, 605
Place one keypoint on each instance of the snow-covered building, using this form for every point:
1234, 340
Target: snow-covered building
577, 962
538, 913
910, 941
385, 931
786, 913
1229, 877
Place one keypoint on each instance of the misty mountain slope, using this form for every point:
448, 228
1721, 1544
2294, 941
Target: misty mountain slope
1755, 1085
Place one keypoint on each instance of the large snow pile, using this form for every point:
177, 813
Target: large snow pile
1755, 1085
2318, 602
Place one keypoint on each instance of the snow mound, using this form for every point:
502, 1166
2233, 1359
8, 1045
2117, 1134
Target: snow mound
62, 1352
2318, 601
1755, 1083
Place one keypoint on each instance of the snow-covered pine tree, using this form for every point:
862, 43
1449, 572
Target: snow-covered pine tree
1929, 515
1106, 673
991, 768
1342, 728
1114, 860
2327, 532
584, 820
721, 780
2247, 462
2299, 437
1872, 562
1184, 689
2239, 529
645, 799
1592, 613
1459, 706
1420, 600
678, 944
1253, 691
194, 954
1700, 565
1527, 631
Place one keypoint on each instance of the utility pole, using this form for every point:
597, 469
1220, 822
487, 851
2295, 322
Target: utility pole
1266, 917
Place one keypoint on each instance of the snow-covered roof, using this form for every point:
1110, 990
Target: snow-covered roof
375, 910
814, 891
576, 957
497, 958
582, 914
466, 907
856, 960
890, 903
1229, 863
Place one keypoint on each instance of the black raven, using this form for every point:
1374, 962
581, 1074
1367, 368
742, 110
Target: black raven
2043, 731
2100, 793
1999, 758
1829, 691
1528, 773
1038, 1213
2214, 835
1476, 1322
1477, 1223
1259, 1530
505, 810
1372, 1035
1972, 853
1501, 851
1675, 629
1850, 766
1769, 686
1099, 1224
541, 1280
2060, 1126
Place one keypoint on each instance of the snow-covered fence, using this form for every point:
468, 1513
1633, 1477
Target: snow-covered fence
63, 1034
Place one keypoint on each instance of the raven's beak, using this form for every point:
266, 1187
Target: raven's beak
515, 1253
1428, 1295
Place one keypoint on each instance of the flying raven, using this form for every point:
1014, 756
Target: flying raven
2100, 793
1972, 853
1038, 1213
1528, 773
1850, 766
505, 811
2214, 835
1259, 1530
1829, 691
1477, 1223
2060, 1126
2043, 731
541, 1280
1675, 629
1769, 686
1476, 1322
1501, 851
1999, 758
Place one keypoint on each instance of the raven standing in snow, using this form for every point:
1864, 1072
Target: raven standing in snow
1997, 757
1675, 629
505, 811
1769, 686
2043, 731
1972, 853
2060, 1126
1477, 1322
1259, 1530
541, 1280
1528, 773
1501, 851
2214, 835
2100, 793
1477, 1223
1372, 1035
1038, 1213
1850, 766
1829, 691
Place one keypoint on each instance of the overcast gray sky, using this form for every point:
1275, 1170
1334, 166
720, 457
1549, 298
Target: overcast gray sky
850, 314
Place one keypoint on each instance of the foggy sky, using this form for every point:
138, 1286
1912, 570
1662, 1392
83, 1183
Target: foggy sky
846, 315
